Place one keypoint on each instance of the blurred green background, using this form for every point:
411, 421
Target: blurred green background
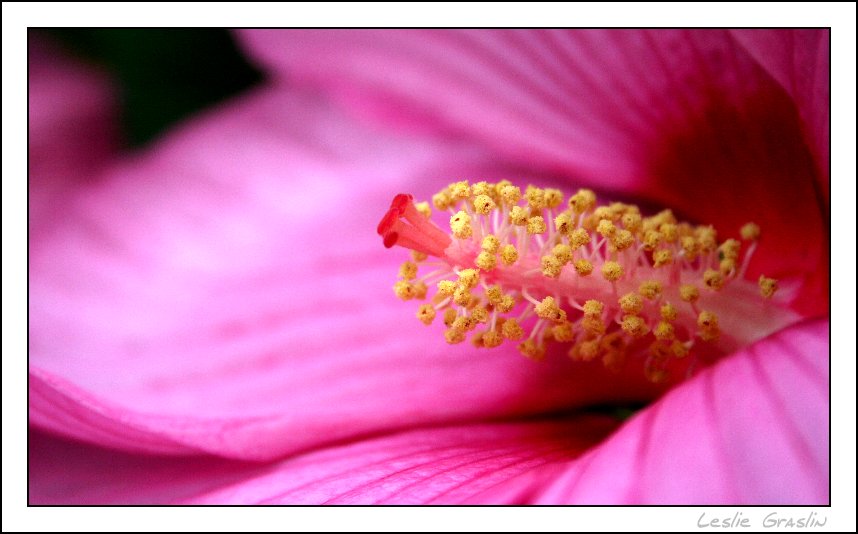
164, 74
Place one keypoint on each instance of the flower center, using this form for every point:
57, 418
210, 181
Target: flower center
601, 279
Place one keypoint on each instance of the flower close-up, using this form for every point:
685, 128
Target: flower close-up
439, 267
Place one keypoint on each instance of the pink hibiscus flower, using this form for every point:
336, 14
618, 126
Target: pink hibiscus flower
211, 320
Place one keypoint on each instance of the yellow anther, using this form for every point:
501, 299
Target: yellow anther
563, 332
462, 296
551, 266
593, 307
631, 221
669, 232
708, 323
583, 267
491, 243
689, 293
509, 255
563, 253
512, 330
449, 316
510, 195
662, 257
622, 239
713, 279
408, 270
678, 349
469, 278
564, 223
492, 339
664, 331
463, 323
593, 325
480, 314
631, 303
634, 326
532, 350
535, 197
404, 290
506, 304
454, 336
668, 312
460, 190
442, 200
446, 288
548, 309
690, 248
484, 205
727, 266
613, 342
518, 216
612, 271
536, 225
586, 351
664, 217
660, 351
494, 294
418, 256
650, 289
768, 286
426, 313
750, 232
582, 201
486, 261
420, 290
606, 228
553, 197
460, 223
603, 213
730, 249
483, 188
578, 238
651, 239
707, 238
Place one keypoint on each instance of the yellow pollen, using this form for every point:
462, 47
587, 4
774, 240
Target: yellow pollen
483, 188
446, 288
518, 216
426, 313
578, 238
689, 293
512, 330
708, 323
536, 225
593, 307
490, 244
535, 197
664, 331
454, 336
631, 221
462, 296
606, 228
593, 325
551, 266
449, 317
404, 290
563, 253
494, 294
469, 278
553, 198
486, 261
612, 271
650, 289
532, 350
506, 304
727, 266
564, 223
408, 270
442, 200
668, 312
678, 349
586, 351
480, 314
491, 339
689, 247
582, 201
768, 286
631, 303
730, 249
508, 255
563, 332
707, 238
634, 326
460, 190
622, 240
420, 290
460, 224
713, 279
424, 209
651, 240
548, 309
483, 204
750, 232
510, 195
418, 256
464, 324
583, 267
662, 257
669, 231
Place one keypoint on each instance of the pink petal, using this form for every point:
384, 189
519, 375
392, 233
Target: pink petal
227, 292
72, 128
427, 466
800, 61
684, 118
752, 430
